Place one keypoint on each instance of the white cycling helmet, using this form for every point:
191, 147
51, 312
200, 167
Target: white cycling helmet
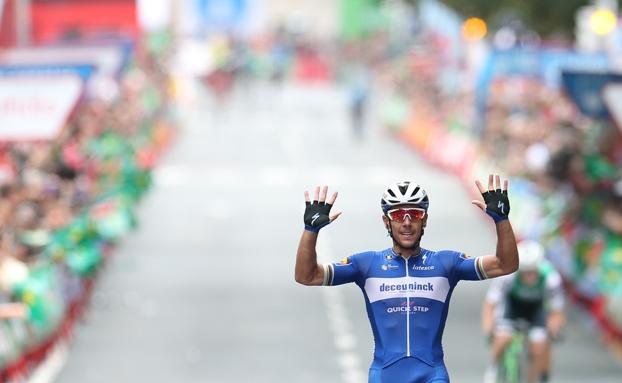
404, 193
530, 255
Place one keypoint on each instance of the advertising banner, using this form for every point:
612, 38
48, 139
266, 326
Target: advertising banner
51, 20
586, 90
612, 94
36, 107
546, 65
84, 71
8, 30
221, 14
108, 59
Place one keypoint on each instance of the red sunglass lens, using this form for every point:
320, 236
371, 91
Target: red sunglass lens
400, 214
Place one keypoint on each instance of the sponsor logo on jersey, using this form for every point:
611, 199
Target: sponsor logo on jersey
422, 268
436, 288
464, 256
414, 286
389, 257
407, 309
387, 266
344, 262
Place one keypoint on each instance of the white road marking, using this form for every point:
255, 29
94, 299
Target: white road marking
352, 370
49, 369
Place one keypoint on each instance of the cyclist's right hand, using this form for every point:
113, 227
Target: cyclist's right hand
317, 212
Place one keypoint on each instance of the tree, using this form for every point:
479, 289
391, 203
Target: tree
546, 17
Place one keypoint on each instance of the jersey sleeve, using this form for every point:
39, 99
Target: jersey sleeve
465, 268
345, 271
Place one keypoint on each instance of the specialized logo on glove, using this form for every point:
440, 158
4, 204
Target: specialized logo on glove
497, 204
316, 215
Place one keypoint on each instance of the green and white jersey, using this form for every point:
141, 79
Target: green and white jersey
548, 289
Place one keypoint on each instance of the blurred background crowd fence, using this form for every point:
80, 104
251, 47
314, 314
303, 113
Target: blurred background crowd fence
85, 112
87, 105
544, 113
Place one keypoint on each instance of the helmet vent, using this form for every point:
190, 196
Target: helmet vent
404, 193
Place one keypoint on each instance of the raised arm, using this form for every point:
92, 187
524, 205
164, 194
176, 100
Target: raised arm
497, 205
308, 271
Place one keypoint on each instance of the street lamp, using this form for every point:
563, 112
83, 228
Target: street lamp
474, 29
603, 21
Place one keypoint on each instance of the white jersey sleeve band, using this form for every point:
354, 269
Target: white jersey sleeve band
328, 274
479, 268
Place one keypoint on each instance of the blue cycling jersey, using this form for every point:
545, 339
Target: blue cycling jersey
407, 302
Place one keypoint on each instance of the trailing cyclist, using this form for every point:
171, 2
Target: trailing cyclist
534, 295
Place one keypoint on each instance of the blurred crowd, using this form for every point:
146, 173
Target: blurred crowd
565, 167
289, 54
64, 203
536, 133
283, 54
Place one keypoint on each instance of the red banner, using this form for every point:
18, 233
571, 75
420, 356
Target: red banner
8, 32
63, 19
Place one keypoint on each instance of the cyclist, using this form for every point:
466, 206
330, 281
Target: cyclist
406, 288
533, 294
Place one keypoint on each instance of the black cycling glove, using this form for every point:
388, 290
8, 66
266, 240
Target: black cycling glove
316, 215
497, 204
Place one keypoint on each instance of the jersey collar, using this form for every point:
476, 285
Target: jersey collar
421, 251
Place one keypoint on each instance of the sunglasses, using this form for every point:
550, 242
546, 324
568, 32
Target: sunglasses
399, 215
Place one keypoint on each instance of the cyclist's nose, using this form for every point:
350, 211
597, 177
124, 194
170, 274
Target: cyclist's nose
409, 221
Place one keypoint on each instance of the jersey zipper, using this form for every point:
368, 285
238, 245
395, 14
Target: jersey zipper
407, 315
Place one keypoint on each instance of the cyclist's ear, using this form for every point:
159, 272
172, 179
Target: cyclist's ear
425, 220
385, 220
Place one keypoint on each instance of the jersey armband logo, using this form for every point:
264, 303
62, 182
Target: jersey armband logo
344, 262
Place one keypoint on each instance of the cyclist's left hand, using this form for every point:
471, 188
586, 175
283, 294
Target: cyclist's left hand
496, 203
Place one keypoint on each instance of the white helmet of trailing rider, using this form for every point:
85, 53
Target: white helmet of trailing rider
530, 255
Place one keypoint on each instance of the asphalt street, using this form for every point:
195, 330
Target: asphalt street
203, 290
